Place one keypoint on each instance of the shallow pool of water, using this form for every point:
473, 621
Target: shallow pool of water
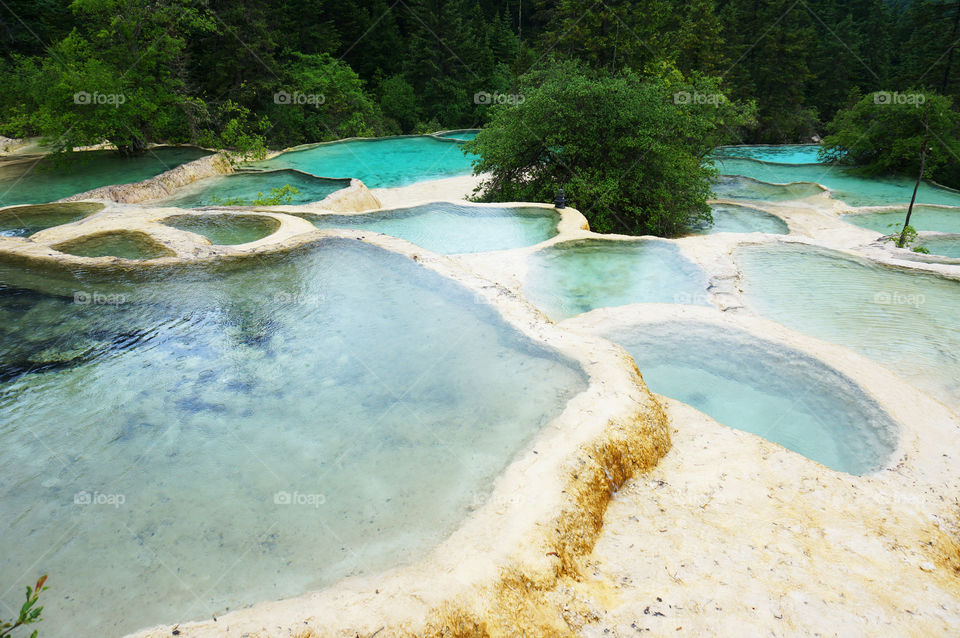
238, 435
125, 245
225, 230
46, 180
929, 218
451, 229
907, 321
770, 390
728, 218
732, 187
245, 188
465, 134
947, 246
380, 163
851, 189
23, 221
783, 154
578, 276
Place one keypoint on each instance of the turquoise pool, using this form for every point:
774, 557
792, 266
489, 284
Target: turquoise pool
23, 221
907, 321
225, 229
945, 246
770, 390
176, 447
783, 154
732, 187
379, 163
247, 187
38, 181
728, 218
929, 218
851, 189
578, 276
464, 134
450, 228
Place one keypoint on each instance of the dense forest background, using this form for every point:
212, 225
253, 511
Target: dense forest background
211, 71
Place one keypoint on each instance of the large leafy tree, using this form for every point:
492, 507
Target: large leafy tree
884, 134
630, 152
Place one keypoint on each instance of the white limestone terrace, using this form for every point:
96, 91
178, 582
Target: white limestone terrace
723, 533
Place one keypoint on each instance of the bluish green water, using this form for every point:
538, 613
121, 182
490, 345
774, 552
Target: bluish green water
785, 154
23, 221
907, 321
450, 229
226, 230
379, 163
730, 187
175, 447
772, 391
742, 219
851, 189
465, 134
578, 276
944, 246
248, 187
929, 218
47, 180
126, 245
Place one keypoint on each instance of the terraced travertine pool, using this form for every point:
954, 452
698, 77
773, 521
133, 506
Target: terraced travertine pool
35, 181
728, 218
907, 321
379, 163
845, 186
925, 218
573, 277
450, 229
247, 187
782, 154
23, 221
770, 390
210, 440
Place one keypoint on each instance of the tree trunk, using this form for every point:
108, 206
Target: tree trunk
923, 164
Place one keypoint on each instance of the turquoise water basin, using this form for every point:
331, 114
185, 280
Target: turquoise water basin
450, 229
175, 447
23, 221
732, 187
379, 163
770, 390
928, 218
122, 244
945, 246
851, 189
46, 180
728, 218
578, 276
907, 321
249, 186
465, 134
784, 154
226, 230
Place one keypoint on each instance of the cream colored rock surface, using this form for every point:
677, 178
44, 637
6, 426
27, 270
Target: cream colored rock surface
447, 189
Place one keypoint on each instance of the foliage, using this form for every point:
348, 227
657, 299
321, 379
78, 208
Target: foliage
631, 153
883, 133
29, 612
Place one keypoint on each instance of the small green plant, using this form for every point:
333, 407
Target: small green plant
29, 612
906, 238
277, 197
921, 250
